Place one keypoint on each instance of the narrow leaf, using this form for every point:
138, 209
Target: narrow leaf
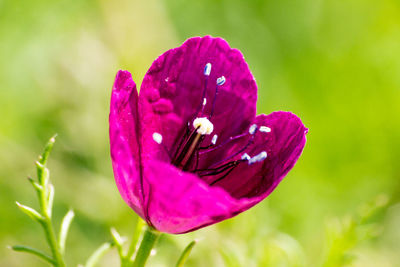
119, 241
33, 251
42, 171
43, 174
96, 256
39, 169
185, 254
37, 186
65, 224
30, 212
49, 146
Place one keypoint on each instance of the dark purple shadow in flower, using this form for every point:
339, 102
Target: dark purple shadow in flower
189, 151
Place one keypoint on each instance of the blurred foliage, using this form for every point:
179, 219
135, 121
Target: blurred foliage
334, 63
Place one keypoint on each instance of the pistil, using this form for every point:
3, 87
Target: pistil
183, 159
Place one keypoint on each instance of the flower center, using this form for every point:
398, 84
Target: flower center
202, 127
189, 149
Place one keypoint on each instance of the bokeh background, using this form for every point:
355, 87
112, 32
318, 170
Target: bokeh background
334, 63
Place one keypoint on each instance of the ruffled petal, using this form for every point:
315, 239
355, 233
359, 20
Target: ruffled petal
124, 141
283, 145
180, 202
171, 94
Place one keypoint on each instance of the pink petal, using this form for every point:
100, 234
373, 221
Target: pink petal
181, 202
124, 143
283, 145
172, 93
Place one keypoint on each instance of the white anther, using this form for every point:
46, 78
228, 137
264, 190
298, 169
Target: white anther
246, 156
252, 128
221, 80
204, 101
258, 158
214, 139
207, 69
203, 126
265, 129
157, 138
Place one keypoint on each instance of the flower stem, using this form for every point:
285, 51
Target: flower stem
150, 238
140, 224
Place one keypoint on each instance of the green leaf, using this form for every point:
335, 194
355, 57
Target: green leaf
185, 254
43, 174
118, 241
65, 224
35, 185
34, 251
30, 212
96, 256
49, 146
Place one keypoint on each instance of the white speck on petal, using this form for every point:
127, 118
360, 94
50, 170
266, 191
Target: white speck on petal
265, 129
157, 138
214, 139
258, 158
252, 128
221, 80
207, 69
246, 156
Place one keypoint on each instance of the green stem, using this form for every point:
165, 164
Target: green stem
51, 238
140, 224
46, 223
150, 238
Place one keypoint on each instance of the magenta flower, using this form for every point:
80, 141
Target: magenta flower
189, 151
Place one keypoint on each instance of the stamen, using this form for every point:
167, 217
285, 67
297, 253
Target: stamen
223, 176
157, 138
214, 139
221, 80
246, 156
217, 170
265, 129
230, 139
258, 158
203, 126
207, 69
185, 135
251, 140
189, 148
184, 155
253, 129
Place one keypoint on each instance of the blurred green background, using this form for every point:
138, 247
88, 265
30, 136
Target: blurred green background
334, 63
